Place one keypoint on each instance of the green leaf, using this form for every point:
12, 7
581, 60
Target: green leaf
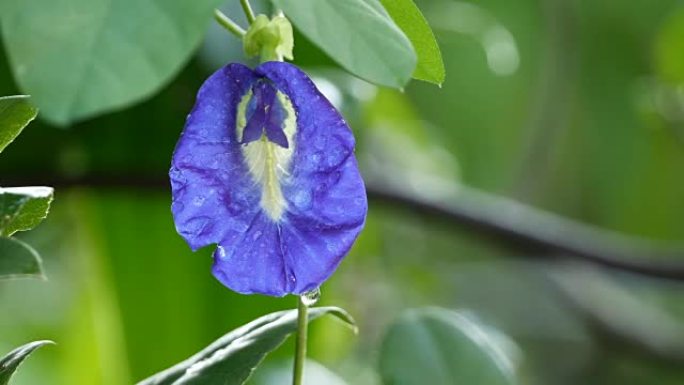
443, 347
231, 359
10, 362
80, 58
23, 208
358, 34
19, 260
408, 17
15, 113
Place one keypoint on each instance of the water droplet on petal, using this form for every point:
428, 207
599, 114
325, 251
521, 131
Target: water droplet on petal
311, 297
316, 157
198, 200
302, 199
177, 206
194, 226
221, 252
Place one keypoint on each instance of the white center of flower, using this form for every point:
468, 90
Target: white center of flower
267, 162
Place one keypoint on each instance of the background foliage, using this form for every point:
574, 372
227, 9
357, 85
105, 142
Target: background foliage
576, 107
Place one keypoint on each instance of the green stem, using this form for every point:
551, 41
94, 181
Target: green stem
248, 11
300, 344
228, 24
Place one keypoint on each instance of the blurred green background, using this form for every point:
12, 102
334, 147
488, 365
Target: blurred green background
576, 107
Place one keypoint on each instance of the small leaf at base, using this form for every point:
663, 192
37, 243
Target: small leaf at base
231, 359
10, 362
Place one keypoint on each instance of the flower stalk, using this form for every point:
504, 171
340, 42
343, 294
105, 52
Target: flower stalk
249, 14
229, 24
300, 343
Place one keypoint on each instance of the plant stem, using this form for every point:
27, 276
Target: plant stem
228, 24
300, 343
248, 11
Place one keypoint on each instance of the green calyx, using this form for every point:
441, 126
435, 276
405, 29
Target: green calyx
270, 38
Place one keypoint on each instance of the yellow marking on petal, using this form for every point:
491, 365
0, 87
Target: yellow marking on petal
241, 118
267, 162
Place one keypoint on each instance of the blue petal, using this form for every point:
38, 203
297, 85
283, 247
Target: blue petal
213, 197
216, 199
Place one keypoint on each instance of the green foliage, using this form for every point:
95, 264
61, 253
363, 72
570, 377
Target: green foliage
442, 347
409, 18
10, 362
22, 208
231, 359
15, 113
669, 48
18, 260
357, 34
582, 64
79, 58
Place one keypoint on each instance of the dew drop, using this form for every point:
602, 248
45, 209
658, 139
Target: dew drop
302, 199
194, 226
221, 252
311, 297
257, 235
316, 157
177, 206
198, 200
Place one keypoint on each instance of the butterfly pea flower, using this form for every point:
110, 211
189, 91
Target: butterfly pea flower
265, 169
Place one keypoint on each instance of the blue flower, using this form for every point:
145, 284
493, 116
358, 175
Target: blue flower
265, 169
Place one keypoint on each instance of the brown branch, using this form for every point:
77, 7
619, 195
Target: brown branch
539, 233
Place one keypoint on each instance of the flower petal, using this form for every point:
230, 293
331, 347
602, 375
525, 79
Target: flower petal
283, 216
326, 197
213, 196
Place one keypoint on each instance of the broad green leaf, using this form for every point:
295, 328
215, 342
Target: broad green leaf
409, 18
80, 58
10, 362
15, 113
358, 34
18, 260
443, 347
23, 208
231, 359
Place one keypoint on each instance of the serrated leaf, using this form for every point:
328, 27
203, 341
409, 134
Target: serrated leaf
23, 208
19, 260
80, 58
231, 359
357, 34
443, 347
15, 113
10, 362
408, 17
